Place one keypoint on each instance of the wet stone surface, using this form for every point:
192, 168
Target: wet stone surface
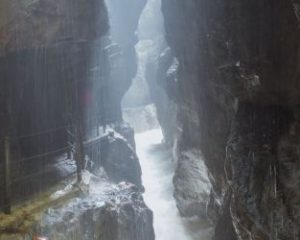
108, 212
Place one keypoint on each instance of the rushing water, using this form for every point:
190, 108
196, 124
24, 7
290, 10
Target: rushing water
158, 171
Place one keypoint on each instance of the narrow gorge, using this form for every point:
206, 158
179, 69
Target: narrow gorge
149, 119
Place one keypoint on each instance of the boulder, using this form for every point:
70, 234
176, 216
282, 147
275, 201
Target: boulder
118, 158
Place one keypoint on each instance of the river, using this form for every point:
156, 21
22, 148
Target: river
158, 171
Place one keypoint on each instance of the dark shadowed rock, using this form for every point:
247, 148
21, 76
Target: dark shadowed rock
36, 23
118, 159
47, 52
192, 185
237, 95
127, 132
121, 162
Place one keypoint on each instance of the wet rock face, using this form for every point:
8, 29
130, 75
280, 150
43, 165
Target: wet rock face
47, 52
238, 100
34, 23
42, 43
54, 61
121, 162
107, 213
255, 172
192, 186
150, 33
123, 27
118, 158
160, 75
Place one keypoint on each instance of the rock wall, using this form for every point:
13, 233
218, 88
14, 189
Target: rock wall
123, 28
237, 96
58, 67
52, 62
48, 50
155, 60
161, 76
29, 24
108, 212
150, 33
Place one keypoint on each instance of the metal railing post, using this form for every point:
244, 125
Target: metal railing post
7, 180
79, 153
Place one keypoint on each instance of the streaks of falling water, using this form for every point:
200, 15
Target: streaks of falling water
158, 170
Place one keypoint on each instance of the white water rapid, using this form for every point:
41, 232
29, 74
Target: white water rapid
158, 171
